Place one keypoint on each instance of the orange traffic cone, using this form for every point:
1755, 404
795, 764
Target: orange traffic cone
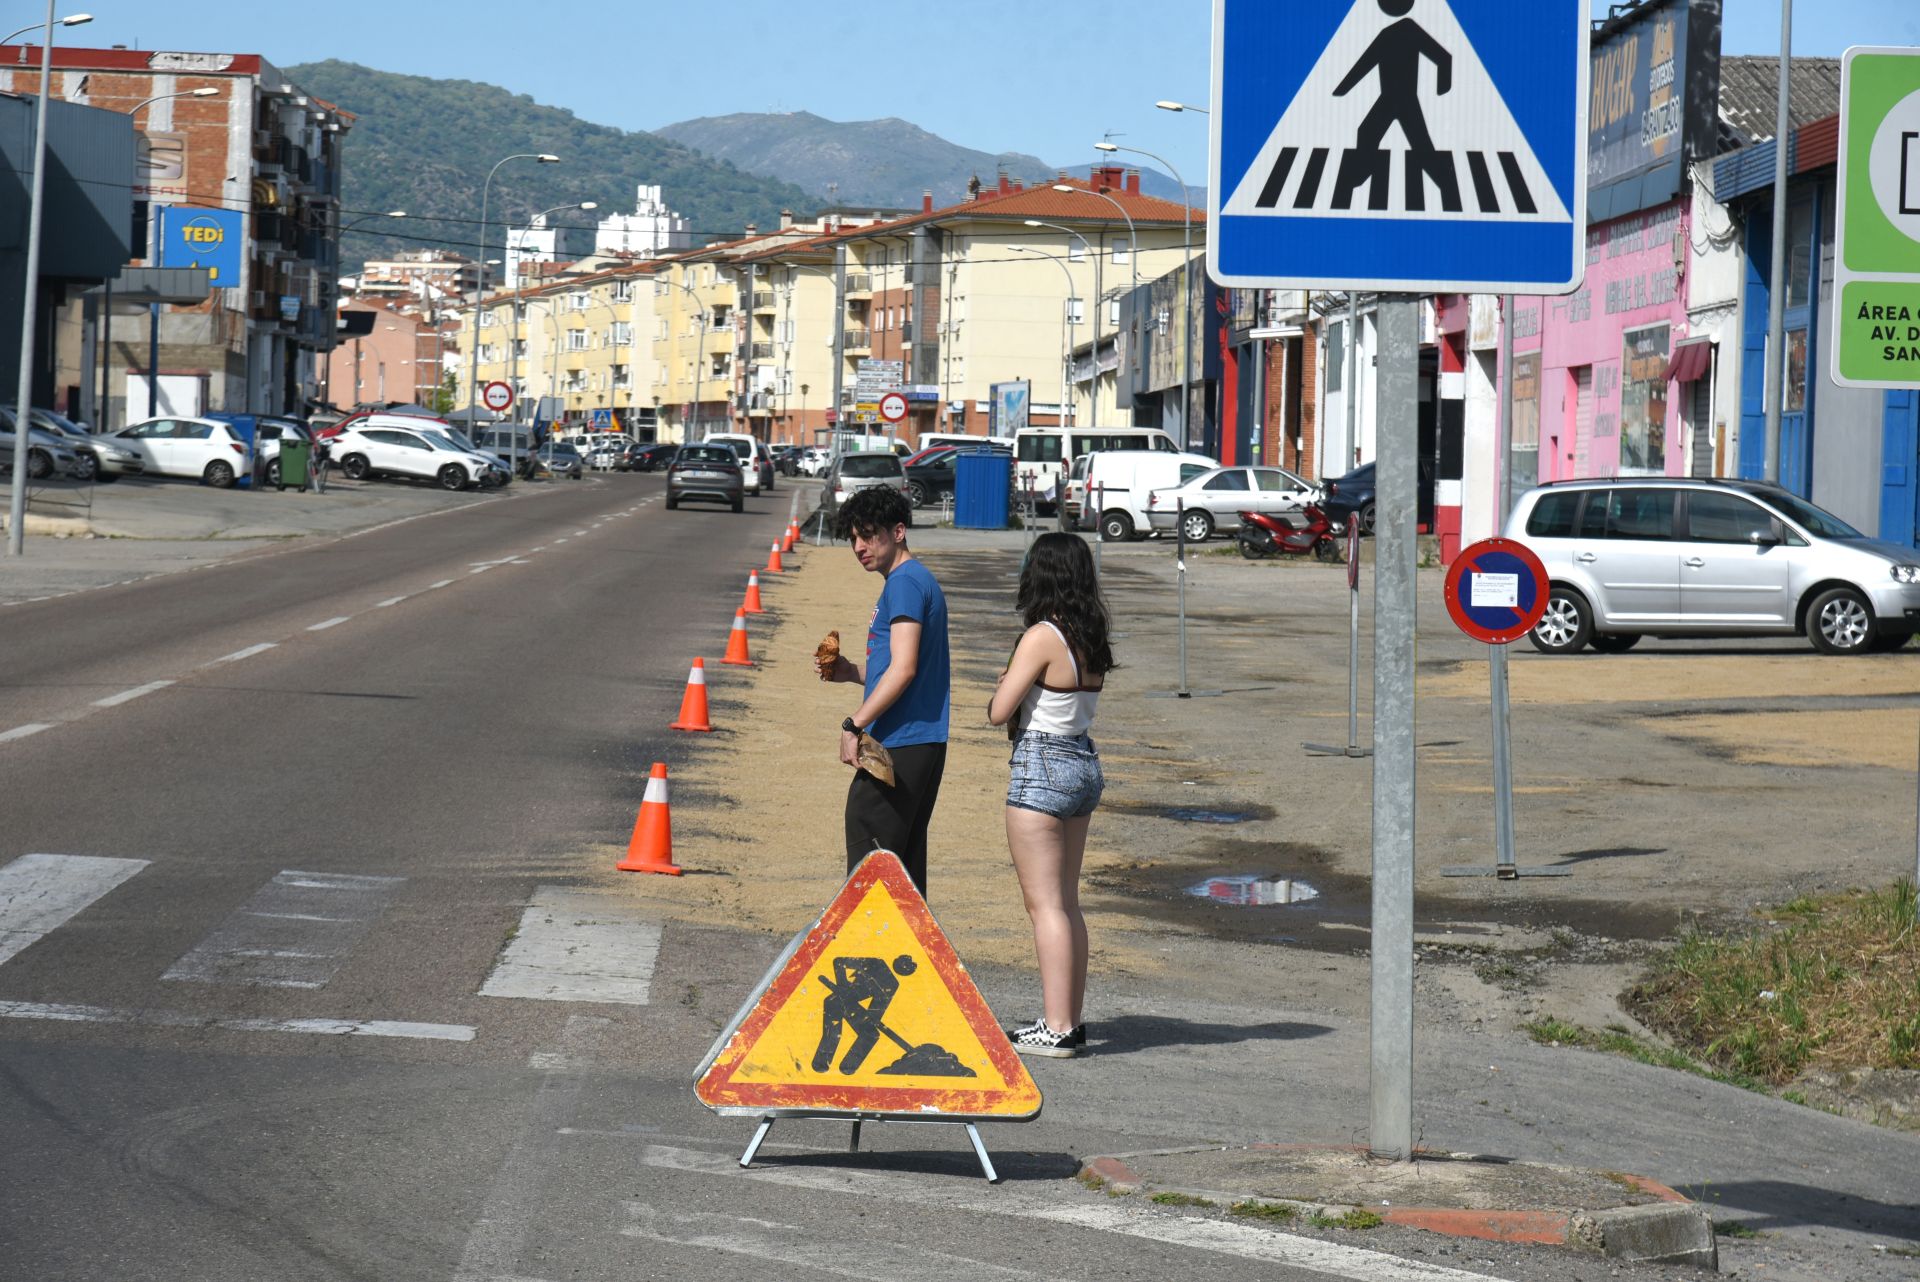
793, 536
651, 849
752, 604
693, 704
737, 642
773, 561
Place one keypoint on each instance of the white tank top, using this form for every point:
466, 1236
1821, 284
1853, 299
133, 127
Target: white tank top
1053, 710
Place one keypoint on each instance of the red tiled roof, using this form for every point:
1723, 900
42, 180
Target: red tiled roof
1042, 201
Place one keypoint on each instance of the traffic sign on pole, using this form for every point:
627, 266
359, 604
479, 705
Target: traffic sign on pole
497, 396
1877, 248
893, 407
1418, 146
1496, 590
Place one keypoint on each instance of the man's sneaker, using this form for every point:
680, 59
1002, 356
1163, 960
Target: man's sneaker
1038, 1038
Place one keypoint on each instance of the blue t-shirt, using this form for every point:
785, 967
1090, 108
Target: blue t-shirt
919, 715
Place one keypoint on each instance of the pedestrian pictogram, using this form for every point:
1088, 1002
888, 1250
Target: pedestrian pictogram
1496, 590
1877, 254
497, 397
1445, 118
869, 1014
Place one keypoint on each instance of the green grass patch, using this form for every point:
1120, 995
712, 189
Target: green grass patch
1734, 1229
1271, 1212
1832, 982
1614, 1040
1358, 1220
1180, 1199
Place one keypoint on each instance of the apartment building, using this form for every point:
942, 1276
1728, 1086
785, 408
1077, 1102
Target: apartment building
418, 276
789, 340
243, 180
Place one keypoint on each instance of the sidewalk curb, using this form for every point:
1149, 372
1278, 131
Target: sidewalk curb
72, 527
1671, 1230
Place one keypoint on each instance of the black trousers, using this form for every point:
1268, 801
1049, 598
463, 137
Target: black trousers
896, 818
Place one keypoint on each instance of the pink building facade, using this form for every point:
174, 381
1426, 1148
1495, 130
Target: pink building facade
1591, 371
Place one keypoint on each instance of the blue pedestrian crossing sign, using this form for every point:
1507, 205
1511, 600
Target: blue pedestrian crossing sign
1399, 146
602, 418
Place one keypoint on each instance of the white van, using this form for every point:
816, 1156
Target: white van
1121, 480
756, 464
1041, 455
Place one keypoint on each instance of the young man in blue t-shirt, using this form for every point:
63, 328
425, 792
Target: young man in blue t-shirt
908, 687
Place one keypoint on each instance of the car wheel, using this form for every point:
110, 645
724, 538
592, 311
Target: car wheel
1365, 517
39, 464
1116, 526
452, 477
219, 474
1198, 526
1614, 642
273, 475
87, 468
672, 503
739, 506
916, 494
1840, 622
1566, 626
355, 467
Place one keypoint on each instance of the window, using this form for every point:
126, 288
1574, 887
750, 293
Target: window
1113, 312
1552, 516
621, 378
486, 320
1230, 480
410, 441
1076, 310
576, 340
1190, 470
1633, 513
623, 291
1040, 449
1122, 253
1643, 400
578, 300
1800, 249
1713, 517
621, 334
1795, 390
1076, 250
1276, 480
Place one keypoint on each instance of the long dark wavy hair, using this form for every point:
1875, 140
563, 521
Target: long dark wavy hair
1059, 586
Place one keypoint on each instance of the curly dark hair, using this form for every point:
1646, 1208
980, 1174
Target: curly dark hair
1059, 586
877, 507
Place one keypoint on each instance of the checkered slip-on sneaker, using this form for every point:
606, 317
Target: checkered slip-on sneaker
1039, 1039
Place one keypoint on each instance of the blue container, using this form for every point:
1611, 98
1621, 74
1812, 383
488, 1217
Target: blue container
981, 483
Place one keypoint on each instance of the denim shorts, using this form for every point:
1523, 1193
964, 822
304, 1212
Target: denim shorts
1057, 775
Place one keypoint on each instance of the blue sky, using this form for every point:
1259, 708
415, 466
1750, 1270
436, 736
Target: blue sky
1048, 79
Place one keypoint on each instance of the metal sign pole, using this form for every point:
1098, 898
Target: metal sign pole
1099, 526
1390, 1132
1353, 748
1505, 868
1180, 566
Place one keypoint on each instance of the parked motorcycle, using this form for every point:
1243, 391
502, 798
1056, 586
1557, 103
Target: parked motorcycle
1265, 535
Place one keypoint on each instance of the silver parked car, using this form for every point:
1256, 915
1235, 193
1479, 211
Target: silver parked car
1214, 500
1675, 557
859, 471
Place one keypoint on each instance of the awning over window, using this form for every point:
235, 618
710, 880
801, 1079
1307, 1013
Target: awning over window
1690, 360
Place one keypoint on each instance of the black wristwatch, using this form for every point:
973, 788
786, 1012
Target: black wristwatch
849, 727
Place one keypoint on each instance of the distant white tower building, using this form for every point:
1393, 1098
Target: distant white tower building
534, 243
649, 231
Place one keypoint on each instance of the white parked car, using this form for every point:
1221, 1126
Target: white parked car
1121, 480
1214, 500
172, 445
363, 453
814, 461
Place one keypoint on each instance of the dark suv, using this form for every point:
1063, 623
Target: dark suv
710, 473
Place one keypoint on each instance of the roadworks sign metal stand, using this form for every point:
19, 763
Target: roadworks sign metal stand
869, 1015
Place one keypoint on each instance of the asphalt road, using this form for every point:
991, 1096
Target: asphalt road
290, 815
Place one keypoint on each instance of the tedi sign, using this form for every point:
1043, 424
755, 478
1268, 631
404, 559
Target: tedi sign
208, 239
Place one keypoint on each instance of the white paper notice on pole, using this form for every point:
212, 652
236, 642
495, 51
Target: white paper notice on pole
1495, 590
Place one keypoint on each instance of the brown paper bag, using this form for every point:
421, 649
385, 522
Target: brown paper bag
874, 758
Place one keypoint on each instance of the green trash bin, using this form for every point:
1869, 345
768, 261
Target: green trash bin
294, 459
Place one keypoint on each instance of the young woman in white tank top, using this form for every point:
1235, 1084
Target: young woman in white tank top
1047, 697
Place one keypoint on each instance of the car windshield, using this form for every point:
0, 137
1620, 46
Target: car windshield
870, 465
1813, 519
563, 450
440, 442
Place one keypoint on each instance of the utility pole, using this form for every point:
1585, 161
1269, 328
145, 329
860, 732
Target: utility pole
1776, 373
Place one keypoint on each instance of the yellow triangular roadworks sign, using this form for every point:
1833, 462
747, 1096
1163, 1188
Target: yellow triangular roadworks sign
869, 1013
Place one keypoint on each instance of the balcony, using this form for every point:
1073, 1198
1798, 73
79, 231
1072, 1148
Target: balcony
859, 340
759, 404
762, 300
763, 351
859, 283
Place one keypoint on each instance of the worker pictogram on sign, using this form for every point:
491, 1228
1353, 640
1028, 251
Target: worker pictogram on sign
869, 1014
1496, 590
1443, 115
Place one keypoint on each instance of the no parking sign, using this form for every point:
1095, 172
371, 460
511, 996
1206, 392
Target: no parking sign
1496, 590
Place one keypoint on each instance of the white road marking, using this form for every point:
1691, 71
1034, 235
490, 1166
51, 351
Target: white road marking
392, 600
441, 584
497, 1241
295, 932
573, 946
479, 569
1216, 1236
247, 653
21, 732
561, 539
128, 696
181, 1019
796, 1246
39, 893
324, 624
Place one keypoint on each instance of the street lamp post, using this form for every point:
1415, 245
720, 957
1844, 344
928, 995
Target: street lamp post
699, 355
1093, 388
486, 190
1168, 104
23, 402
1066, 373
1186, 285
1133, 264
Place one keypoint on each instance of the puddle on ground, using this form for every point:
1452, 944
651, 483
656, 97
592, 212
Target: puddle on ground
1236, 814
1193, 815
1253, 891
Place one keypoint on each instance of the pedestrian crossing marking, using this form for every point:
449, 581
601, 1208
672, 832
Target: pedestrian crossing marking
1435, 127
869, 1013
295, 932
40, 893
572, 946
